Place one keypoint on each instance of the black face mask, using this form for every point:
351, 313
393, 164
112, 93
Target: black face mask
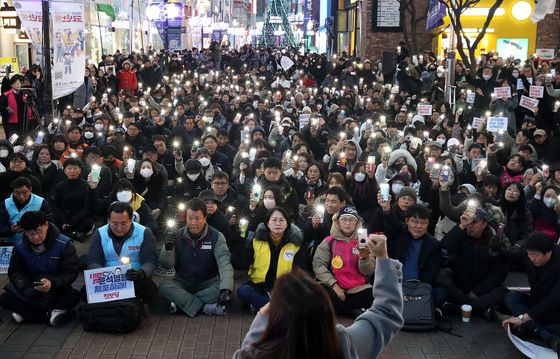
398, 166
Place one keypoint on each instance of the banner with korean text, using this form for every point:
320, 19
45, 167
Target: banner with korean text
30, 14
108, 284
69, 45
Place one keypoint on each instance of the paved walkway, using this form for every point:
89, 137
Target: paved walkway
166, 336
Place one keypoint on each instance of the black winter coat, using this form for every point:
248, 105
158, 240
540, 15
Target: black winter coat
545, 289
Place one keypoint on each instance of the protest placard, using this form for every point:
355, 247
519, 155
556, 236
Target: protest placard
536, 91
503, 92
424, 110
496, 124
5, 256
475, 161
476, 121
520, 85
108, 284
470, 97
303, 120
528, 103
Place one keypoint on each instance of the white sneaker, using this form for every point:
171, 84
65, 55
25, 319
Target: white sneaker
17, 318
56, 315
172, 308
214, 309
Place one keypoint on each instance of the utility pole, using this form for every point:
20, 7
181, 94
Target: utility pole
47, 61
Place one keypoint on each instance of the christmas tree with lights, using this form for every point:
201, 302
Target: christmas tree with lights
276, 9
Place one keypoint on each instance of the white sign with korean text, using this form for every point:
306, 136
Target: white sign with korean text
424, 110
477, 121
545, 54
108, 284
536, 91
496, 124
5, 256
503, 92
528, 103
303, 120
470, 97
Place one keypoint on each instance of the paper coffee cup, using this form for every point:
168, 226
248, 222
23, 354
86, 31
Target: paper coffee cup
466, 311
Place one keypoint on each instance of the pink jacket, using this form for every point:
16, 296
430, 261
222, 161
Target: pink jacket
12, 103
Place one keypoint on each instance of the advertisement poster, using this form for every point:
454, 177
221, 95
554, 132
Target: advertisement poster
108, 284
69, 47
31, 15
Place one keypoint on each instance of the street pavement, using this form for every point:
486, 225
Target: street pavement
165, 336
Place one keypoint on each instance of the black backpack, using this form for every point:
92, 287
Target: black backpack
418, 309
122, 316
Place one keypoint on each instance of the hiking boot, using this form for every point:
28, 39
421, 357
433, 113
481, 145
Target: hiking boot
17, 318
214, 309
56, 316
172, 308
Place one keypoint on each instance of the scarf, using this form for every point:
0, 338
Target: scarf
43, 167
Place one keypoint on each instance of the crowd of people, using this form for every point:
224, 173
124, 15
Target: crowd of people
225, 160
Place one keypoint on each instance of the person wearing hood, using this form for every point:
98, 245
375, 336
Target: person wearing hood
203, 156
363, 187
193, 182
345, 155
41, 272
344, 267
477, 264
18, 166
391, 167
72, 201
128, 81
274, 250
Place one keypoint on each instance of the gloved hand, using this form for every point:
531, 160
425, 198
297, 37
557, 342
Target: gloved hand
169, 245
30, 293
135, 274
224, 296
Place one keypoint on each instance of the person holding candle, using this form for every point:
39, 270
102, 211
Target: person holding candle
274, 250
123, 240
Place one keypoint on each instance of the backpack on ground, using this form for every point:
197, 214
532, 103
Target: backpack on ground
418, 309
122, 316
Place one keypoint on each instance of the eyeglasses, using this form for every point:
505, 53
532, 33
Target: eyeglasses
33, 233
419, 222
220, 183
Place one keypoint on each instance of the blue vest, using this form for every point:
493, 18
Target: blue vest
130, 247
34, 204
48, 262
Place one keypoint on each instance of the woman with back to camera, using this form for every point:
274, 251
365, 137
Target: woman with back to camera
299, 321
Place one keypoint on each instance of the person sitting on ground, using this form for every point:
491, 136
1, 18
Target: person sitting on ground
42, 269
274, 250
476, 267
300, 321
20, 202
121, 237
537, 313
200, 256
342, 266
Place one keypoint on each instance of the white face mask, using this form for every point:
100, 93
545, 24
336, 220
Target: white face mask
124, 196
88, 135
549, 202
359, 176
486, 77
515, 74
396, 188
146, 172
269, 203
440, 141
193, 176
205, 162
4, 153
98, 127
